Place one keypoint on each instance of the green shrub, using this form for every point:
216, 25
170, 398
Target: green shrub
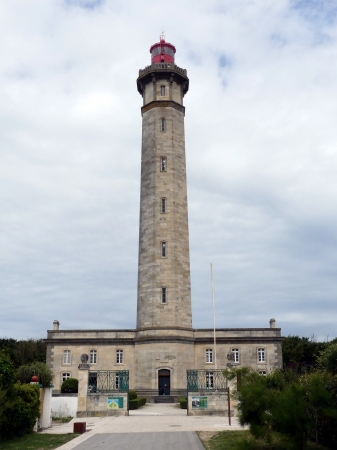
132, 395
136, 403
20, 417
24, 373
6, 372
69, 386
183, 402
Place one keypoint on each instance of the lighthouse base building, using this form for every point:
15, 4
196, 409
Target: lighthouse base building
157, 354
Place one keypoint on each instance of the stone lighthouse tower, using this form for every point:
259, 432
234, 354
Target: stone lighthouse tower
164, 317
164, 293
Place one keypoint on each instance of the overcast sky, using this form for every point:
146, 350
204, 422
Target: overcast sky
261, 149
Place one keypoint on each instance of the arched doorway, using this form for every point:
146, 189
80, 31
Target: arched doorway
164, 381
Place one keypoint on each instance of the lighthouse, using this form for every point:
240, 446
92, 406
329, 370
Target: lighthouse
164, 343
164, 288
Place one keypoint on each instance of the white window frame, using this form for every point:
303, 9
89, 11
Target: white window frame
263, 373
119, 356
163, 205
236, 353
163, 249
163, 295
209, 380
163, 164
261, 355
93, 357
209, 355
65, 376
66, 356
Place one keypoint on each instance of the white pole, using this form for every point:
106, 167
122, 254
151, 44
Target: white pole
215, 361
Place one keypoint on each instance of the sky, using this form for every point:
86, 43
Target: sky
261, 151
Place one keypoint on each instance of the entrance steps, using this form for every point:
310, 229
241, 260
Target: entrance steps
164, 399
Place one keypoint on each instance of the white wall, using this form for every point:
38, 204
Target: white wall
63, 406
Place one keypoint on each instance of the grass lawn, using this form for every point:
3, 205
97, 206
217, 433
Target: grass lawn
37, 441
229, 440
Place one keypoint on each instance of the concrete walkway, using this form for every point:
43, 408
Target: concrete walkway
156, 420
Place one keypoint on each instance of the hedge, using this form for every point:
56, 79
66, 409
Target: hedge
183, 402
20, 417
132, 394
136, 403
69, 386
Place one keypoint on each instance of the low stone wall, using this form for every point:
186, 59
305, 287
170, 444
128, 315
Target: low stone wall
105, 405
64, 405
207, 403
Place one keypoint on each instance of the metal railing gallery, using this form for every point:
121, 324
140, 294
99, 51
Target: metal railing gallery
200, 380
102, 381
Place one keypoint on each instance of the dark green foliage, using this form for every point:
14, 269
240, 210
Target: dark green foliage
290, 416
20, 418
183, 402
256, 401
24, 373
69, 386
298, 406
327, 359
299, 354
321, 393
25, 351
132, 394
6, 371
136, 403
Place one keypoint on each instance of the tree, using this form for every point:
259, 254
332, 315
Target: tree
24, 373
327, 359
20, 415
24, 351
290, 415
300, 354
19, 404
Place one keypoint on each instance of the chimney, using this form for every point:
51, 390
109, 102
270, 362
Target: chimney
56, 325
272, 323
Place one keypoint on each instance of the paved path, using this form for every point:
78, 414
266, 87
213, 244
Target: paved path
153, 423
187, 440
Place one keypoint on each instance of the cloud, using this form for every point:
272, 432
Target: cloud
261, 148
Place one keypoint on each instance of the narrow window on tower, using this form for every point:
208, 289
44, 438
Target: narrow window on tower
162, 124
163, 249
163, 295
163, 164
162, 91
163, 205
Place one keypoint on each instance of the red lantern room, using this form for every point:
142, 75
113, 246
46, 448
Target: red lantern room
162, 52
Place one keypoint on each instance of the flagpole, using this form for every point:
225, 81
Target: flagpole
215, 360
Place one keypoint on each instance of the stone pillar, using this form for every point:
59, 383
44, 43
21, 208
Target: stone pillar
82, 392
272, 323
